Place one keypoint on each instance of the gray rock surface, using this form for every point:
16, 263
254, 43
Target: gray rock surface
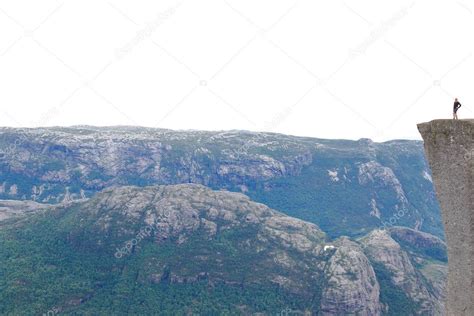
382, 249
15, 209
279, 249
449, 146
352, 287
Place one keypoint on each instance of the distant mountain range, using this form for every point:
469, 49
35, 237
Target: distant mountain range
126, 220
345, 187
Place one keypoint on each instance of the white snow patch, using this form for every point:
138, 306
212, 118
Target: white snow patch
427, 176
374, 209
329, 247
333, 174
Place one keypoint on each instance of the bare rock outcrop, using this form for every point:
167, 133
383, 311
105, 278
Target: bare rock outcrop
15, 209
449, 146
382, 249
352, 287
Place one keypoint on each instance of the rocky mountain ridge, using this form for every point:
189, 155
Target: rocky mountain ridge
188, 236
345, 187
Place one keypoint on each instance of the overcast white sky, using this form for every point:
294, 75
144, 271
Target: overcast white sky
329, 69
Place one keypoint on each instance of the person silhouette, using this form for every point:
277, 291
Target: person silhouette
456, 107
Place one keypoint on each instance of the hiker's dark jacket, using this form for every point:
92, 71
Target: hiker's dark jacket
457, 105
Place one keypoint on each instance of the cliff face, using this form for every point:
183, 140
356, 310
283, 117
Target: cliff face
449, 146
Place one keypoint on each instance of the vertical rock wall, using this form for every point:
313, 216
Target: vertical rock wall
449, 147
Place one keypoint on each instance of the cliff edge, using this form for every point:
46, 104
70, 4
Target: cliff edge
449, 147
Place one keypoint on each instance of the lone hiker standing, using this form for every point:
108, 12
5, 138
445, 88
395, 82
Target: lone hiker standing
456, 107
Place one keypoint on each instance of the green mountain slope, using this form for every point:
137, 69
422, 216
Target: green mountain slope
186, 249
